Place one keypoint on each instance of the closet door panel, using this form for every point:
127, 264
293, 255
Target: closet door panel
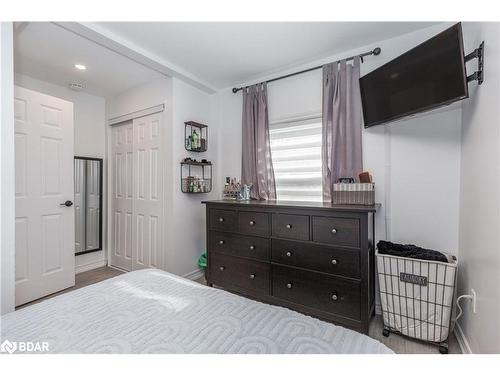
137, 194
148, 184
122, 195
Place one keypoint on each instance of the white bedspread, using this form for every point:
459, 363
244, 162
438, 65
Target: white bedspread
151, 311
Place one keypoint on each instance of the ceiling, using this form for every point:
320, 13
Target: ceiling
215, 54
227, 53
48, 52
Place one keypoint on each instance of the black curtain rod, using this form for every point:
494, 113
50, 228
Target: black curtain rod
376, 51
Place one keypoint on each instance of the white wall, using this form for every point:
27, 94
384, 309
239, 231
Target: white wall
141, 97
479, 254
185, 216
7, 206
190, 103
407, 158
89, 140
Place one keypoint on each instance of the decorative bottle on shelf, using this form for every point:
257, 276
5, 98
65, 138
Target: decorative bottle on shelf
188, 143
195, 140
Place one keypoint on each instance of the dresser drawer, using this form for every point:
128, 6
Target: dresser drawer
237, 272
244, 246
255, 223
318, 291
224, 220
336, 231
291, 226
316, 257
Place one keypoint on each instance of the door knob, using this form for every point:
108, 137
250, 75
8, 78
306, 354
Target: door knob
67, 204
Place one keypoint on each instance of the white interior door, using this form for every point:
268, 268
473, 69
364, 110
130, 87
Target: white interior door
137, 191
121, 182
45, 232
147, 218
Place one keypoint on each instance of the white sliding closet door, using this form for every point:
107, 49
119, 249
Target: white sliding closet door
137, 187
148, 192
121, 182
45, 230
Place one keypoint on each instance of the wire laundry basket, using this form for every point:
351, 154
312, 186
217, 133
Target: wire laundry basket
417, 297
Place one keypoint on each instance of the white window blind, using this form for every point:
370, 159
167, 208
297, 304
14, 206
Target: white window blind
296, 153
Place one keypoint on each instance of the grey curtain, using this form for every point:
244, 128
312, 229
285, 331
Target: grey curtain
341, 148
256, 163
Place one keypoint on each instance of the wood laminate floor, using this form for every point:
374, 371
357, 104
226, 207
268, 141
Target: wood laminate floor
81, 280
397, 343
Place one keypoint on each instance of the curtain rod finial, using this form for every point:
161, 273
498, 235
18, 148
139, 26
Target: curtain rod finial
235, 90
377, 51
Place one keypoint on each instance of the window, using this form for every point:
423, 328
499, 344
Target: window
296, 153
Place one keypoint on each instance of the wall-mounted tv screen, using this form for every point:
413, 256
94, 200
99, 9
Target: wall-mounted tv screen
428, 76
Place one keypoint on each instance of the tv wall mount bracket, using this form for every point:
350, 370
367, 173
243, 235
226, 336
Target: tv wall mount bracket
478, 53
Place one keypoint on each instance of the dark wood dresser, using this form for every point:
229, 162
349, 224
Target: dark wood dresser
316, 258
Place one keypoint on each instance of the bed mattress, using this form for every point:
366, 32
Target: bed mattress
151, 311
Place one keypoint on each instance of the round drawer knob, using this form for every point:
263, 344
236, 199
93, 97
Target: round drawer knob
288, 253
252, 247
221, 219
334, 231
252, 276
222, 268
334, 261
289, 285
222, 242
334, 297
288, 226
252, 223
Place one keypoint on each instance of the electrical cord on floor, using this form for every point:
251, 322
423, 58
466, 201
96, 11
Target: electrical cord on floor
458, 305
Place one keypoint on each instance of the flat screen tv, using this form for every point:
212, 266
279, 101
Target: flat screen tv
428, 76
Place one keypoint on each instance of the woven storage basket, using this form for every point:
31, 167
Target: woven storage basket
354, 193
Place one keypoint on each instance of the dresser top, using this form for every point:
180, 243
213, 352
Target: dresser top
298, 204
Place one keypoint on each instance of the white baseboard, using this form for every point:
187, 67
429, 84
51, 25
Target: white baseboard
117, 268
194, 275
90, 266
462, 340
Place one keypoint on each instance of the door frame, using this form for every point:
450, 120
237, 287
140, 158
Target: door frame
7, 170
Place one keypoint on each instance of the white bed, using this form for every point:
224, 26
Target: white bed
151, 311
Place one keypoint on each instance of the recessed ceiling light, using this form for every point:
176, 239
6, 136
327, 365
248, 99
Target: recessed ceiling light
80, 67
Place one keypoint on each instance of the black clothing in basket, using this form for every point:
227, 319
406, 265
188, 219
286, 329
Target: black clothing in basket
410, 251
